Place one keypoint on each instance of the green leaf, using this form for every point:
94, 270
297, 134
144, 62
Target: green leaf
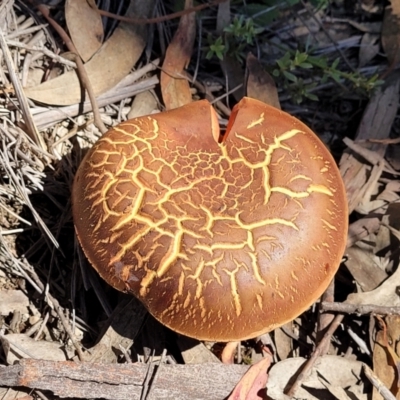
306, 65
301, 57
335, 63
276, 72
335, 76
311, 96
290, 76
318, 62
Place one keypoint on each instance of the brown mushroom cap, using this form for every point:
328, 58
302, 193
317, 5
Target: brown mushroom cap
220, 241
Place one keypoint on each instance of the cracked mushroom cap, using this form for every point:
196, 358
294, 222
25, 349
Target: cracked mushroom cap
221, 239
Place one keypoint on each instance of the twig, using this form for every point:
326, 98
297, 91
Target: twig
155, 20
146, 382
317, 352
328, 35
379, 385
325, 319
154, 380
43, 50
80, 67
360, 309
23, 102
17, 347
360, 342
53, 303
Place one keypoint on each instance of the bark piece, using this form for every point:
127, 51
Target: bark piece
124, 381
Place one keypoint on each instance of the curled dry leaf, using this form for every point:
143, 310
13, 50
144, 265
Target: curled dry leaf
229, 352
106, 68
252, 385
174, 86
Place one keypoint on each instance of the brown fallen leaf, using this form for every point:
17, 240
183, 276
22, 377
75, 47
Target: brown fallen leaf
195, 352
369, 48
85, 27
252, 385
332, 371
386, 355
231, 67
363, 269
391, 33
259, 83
376, 123
383, 295
395, 7
229, 352
175, 87
19, 345
106, 68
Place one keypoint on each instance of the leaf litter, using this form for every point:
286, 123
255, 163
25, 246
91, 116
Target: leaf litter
55, 308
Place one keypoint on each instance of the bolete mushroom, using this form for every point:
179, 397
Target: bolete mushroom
221, 238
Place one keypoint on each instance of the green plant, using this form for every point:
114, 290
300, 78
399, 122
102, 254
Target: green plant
237, 36
292, 71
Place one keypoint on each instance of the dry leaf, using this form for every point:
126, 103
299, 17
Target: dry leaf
17, 346
195, 352
234, 75
386, 356
283, 342
10, 394
391, 33
369, 48
384, 295
260, 84
361, 228
106, 68
231, 67
330, 371
174, 86
229, 352
252, 384
363, 268
144, 103
13, 300
376, 123
395, 7
84, 26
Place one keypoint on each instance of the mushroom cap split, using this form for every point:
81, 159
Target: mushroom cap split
222, 237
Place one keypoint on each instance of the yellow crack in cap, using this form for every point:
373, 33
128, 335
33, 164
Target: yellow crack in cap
222, 237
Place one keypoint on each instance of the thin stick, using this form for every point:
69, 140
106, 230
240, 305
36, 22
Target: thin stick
84, 78
328, 35
360, 309
325, 318
317, 352
379, 385
23, 102
155, 20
